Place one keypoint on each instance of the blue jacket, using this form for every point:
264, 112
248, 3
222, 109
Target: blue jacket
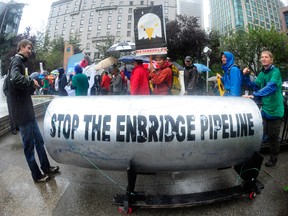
232, 78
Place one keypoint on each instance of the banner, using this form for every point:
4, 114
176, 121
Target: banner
149, 29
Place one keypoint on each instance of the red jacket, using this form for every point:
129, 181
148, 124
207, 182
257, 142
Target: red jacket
106, 80
162, 80
139, 81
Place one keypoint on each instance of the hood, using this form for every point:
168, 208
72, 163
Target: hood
229, 62
23, 58
166, 64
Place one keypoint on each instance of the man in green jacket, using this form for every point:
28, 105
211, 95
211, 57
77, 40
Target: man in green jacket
268, 87
80, 82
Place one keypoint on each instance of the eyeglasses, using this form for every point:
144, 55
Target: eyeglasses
187, 61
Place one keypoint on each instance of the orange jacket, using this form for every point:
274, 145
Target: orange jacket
162, 80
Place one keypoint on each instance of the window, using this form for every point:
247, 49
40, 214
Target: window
91, 13
131, 3
107, 33
81, 29
57, 20
63, 32
166, 11
66, 11
81, 21
50, 23
102, 5
88, 46
89, 28
129, 17
120, 11
82, 15
111, 4
130, 10
71, 31
64, 25
76, 3
65, 18
73, 17
75, 9
73, 23
141, 2
119, 18
109, 18
100, 12
60, 7
118, 25
128, 33
152, 3
129, 25
118, 34
56, 27
93, 6
68, 5
99, 19
89, 36
53, 9
93, 1
55, 34
166, 4
99, 27
90, 20
110, 12
98, 33
108, 26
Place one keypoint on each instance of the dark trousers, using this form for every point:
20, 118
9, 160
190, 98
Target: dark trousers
272, 130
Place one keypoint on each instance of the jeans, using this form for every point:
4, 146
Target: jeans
31, 137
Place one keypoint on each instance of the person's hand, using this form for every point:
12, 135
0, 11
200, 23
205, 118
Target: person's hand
246, 70
218, 76
248, 96
151, 68
36, 84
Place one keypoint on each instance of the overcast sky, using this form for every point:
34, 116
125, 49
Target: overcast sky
36, 13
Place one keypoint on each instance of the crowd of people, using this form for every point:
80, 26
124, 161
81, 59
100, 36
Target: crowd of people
140, 81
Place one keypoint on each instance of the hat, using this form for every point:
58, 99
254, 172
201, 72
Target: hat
188, 58
78, 69
83, 63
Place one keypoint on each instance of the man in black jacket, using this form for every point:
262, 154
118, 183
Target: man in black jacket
20, 88
190, 76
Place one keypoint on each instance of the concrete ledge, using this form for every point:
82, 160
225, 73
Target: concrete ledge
39, 109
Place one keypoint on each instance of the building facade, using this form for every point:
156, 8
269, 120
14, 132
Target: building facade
191, 8
284, 19
10, 16
93, 21
229, 15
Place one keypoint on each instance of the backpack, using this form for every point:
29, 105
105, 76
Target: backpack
244, 86
175, 88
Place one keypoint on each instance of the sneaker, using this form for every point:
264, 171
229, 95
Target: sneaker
53, 169
270, 163
43, 178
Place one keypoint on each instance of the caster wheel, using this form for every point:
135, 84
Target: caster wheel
252, 195
121, 210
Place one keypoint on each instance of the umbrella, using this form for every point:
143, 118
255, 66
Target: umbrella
202, 68
106, 63
178, 66
212, 79
90, 70
130, 58
122, 46
34, 75
55, 72
129, 67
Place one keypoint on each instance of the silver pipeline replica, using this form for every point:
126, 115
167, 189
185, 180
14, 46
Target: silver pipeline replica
150, 134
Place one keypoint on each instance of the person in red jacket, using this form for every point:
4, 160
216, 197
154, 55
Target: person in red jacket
162, 78
105, 84
139, 81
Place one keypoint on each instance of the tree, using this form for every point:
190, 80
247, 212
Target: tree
247, 46
103, 45
185, 37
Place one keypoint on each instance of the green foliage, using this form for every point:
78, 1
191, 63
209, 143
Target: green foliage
104, 45
247, 46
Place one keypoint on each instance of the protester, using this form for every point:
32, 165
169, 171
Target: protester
62, 82
232, 79
20, 89
80, 82
162, 78
139, 80
105, 83
117, 83
45, 87
191, 76
268, 87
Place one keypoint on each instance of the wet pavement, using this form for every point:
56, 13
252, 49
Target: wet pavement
82, 191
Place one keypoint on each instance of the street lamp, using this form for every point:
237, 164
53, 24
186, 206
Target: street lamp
207, 51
